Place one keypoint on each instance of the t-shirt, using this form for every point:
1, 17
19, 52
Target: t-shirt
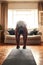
21, 24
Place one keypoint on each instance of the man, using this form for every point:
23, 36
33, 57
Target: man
21, 29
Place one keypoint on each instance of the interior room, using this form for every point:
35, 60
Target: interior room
31, 13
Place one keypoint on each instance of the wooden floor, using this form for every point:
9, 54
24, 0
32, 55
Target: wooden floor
36, 50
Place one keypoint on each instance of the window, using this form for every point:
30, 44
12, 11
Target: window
29, 16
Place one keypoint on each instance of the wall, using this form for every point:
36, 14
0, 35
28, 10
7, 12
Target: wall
28, 5
21, 0
40, 7
22, 5
41, 30
40, 26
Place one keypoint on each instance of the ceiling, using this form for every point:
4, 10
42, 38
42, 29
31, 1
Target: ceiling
22, 0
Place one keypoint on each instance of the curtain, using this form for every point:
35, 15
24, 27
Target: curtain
4, 15
40, 6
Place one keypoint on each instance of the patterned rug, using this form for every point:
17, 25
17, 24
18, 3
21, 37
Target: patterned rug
20, 57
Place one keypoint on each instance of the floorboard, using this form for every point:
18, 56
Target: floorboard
36, 50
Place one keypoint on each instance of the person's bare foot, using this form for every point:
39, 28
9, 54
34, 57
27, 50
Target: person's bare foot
24, 47
18, 47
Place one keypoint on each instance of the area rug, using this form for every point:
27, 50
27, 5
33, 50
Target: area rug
20, 57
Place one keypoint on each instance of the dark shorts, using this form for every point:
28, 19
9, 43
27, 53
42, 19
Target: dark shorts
21, 31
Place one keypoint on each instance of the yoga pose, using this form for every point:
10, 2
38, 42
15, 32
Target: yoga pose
21, 29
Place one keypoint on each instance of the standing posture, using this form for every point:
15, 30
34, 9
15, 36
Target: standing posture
21, 29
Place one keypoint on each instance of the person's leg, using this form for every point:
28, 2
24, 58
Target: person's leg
17, 40
24, 39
